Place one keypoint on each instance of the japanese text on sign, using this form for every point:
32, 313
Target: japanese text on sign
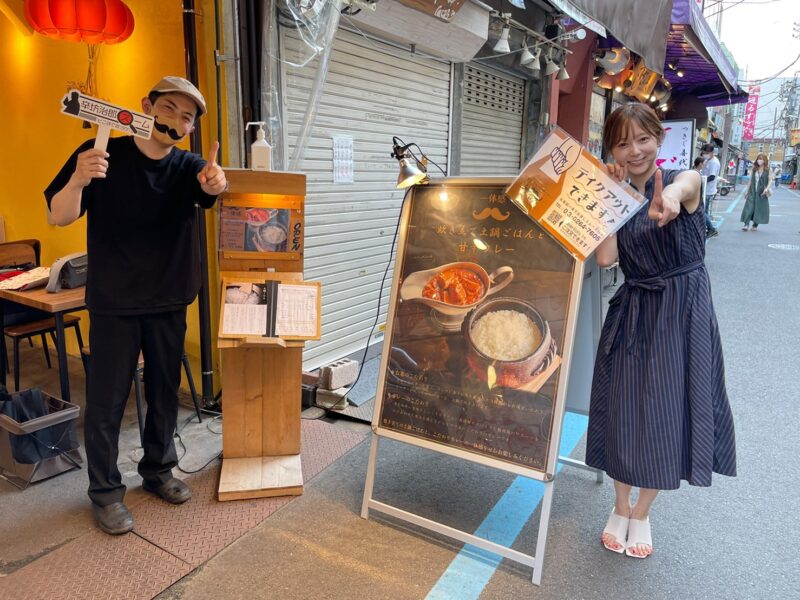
568, 191
103, 113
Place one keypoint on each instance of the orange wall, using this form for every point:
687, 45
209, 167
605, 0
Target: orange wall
34, 74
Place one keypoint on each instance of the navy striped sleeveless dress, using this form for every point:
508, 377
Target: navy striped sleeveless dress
659, 411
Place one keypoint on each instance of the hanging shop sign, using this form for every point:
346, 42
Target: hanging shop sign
568, 192
676, 149
794, 137
477, 330
441, 9
750, 110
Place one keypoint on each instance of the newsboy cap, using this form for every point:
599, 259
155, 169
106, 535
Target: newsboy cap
179, 85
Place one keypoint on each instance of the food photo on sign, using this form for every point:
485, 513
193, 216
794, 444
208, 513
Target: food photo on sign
254, 229
477, 326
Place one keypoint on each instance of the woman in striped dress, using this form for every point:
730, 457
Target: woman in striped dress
659, 410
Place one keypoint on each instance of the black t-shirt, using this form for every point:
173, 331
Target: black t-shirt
142, 238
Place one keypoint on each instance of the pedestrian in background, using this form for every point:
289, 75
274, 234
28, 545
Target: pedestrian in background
777, 176
756, 206
659, 411
711, 173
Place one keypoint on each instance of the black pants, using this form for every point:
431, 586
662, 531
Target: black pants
115, 342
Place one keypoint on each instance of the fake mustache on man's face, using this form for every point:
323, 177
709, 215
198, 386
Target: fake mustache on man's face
163, 128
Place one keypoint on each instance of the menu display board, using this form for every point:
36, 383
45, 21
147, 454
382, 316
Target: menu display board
568, 192
477, 329
261, 304
266, 224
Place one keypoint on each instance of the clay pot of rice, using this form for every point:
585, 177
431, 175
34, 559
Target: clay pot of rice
507, 341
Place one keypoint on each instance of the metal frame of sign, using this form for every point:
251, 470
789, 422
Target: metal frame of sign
546, 476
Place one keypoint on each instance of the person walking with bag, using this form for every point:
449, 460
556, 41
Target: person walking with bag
659, 412
144, 270
756, 206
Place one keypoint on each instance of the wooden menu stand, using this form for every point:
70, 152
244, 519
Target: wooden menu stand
261, 376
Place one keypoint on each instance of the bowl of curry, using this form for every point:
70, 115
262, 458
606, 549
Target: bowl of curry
455, 288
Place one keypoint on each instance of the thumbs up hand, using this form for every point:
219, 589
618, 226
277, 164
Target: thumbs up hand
211, 176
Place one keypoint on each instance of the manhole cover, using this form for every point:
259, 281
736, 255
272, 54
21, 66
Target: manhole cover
785, 246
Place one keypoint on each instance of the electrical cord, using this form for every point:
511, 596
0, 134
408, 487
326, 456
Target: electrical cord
326, 410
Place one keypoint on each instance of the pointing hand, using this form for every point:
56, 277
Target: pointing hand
211, 176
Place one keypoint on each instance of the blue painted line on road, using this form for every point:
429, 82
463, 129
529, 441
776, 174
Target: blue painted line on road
471, 570
729, 210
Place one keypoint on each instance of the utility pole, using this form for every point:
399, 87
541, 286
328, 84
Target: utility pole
726, 140
772, 142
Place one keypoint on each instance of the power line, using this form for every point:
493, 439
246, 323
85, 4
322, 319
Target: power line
724, 8
766, 79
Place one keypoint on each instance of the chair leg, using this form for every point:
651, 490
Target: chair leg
46, 351
16, 364
79, 336
188, 368
140, 414
4, 354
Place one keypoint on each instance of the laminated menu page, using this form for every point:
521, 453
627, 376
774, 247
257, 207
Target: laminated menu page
569, 193
270, 308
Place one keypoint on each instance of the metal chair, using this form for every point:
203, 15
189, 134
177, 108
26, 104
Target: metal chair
23, 254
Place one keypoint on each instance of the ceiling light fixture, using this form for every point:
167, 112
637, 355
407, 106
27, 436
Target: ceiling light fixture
536, 64
550, 67
502, 47
527, 56
562, 70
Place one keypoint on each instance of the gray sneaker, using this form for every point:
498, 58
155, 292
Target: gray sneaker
712, 233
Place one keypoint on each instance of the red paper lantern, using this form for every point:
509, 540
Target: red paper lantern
90, 21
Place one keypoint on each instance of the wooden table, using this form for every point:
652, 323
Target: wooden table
58, 305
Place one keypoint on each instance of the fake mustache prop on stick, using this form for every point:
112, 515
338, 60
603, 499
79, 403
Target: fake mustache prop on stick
167, 130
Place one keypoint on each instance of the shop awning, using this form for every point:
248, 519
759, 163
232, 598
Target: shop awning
641, 26
694, 51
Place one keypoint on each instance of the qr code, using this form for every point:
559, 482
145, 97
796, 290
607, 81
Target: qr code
554, 218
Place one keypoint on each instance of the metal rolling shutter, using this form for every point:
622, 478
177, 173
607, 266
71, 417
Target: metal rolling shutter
372, 92
491, 138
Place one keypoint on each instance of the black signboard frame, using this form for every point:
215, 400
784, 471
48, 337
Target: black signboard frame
431, 384
452, 404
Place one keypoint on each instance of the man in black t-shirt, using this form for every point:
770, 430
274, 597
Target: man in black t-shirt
142, 241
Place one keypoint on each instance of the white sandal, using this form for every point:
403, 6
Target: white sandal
617, 526
639, 533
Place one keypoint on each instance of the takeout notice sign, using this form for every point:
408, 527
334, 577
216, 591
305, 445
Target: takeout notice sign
104, 114
569, 193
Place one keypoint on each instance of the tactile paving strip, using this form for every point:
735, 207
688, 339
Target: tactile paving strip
96, 565
174, 539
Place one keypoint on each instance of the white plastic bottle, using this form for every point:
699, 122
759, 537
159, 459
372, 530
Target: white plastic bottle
260, 150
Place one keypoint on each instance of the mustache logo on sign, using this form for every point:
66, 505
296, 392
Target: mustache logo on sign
494, 213
167, 130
